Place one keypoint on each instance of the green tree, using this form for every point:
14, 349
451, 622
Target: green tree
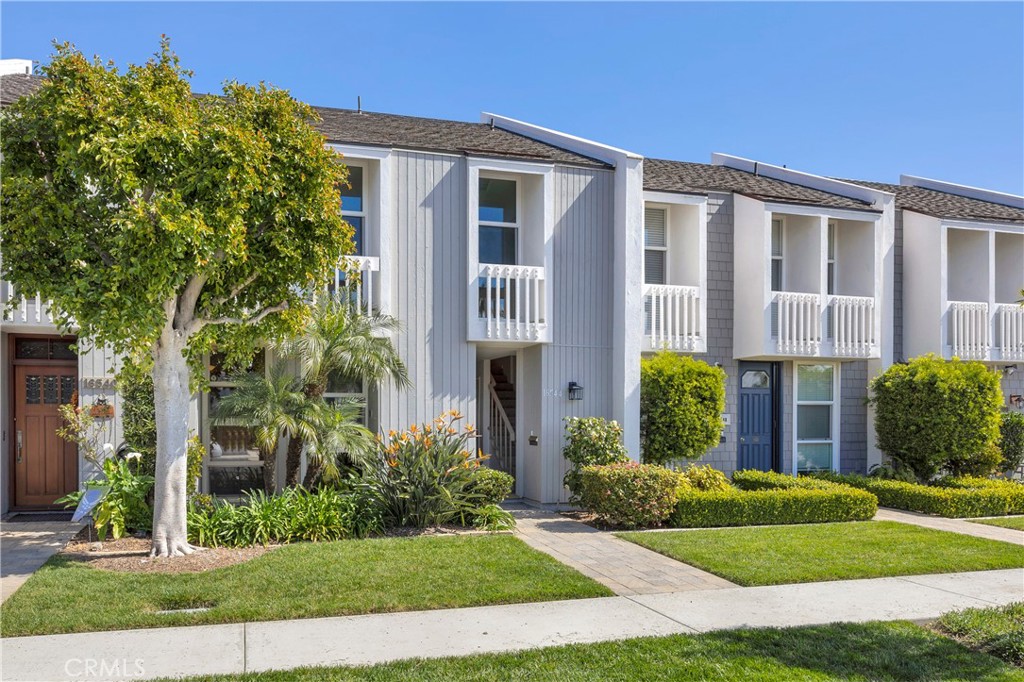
160, 222
681, 404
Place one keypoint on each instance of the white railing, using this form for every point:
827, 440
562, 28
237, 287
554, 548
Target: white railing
1010, 334
969, 330
512, 302
361, 288
799, 323
852, 321
673, 319
22, 309
501, 435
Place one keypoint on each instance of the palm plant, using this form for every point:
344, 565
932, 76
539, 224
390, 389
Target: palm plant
345, 341
337, 430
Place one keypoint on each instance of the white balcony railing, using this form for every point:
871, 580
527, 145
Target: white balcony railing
672, 317
799, 323
512, 302
1010, 331
852, 322
361, 288
969, 330
21, 309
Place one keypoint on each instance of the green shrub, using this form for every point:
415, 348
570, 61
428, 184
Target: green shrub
493, 518
590, 441
491, 485
933, 415
998, 630
681, 404
1011, 441
424, 476
751, 479
124, 508
629, 494
138, 414
704, 477
695, 509
952, 499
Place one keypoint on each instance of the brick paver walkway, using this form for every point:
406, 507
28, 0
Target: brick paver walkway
625, 568
25, 546
979, 530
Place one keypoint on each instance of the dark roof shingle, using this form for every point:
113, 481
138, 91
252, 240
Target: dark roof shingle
946, 205
390, 130
661, 175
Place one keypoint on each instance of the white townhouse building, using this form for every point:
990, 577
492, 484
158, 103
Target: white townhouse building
531, 271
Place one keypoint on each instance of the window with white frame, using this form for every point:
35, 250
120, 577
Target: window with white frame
498, 221
233, 462
815, 417
353, 206
655, 245
830, 275
341, 388
777, 245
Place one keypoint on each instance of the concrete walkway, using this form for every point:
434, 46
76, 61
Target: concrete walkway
627, 569
366, 640
978, 530
25, 546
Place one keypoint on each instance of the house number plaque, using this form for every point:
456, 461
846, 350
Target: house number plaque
98, 383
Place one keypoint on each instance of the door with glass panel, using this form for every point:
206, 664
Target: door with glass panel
757, 420
816, 417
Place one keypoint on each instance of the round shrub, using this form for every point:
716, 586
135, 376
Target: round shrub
704, 477
933, 415
590, 441
491, 485
629, 494
1011, 441
681, 404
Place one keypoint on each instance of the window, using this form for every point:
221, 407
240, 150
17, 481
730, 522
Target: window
777, 245
340, 387
755, 378
353, 208
830, 266
234, 465
815, 417
655, 245
498, 219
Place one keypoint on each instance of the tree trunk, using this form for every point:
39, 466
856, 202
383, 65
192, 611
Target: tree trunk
171, 397
270, 471
313, 472
293, 461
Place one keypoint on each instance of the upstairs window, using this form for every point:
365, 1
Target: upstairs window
498, 221
655, 245
352, 205
777, 246
831, 259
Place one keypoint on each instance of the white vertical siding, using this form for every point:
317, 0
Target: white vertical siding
98, 362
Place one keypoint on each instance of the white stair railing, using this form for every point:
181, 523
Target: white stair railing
853, 325
513, 304
673, 316
969, 330
501, 434
799, 316
1010, 317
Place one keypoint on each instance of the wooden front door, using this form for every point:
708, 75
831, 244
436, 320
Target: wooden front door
45, 465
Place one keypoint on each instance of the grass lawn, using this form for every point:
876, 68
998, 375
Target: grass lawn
297, 581
1014, 522
873, 651
998, 630
776, 555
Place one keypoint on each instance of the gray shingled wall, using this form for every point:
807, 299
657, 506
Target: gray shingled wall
897, 279
853, 429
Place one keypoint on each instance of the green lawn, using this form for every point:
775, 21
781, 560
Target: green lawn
776, 555
998, 630
1014, 522
297, 581
880, 652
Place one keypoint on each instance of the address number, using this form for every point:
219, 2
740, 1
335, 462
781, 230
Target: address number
102, 383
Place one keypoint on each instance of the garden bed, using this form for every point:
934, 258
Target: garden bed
780, 555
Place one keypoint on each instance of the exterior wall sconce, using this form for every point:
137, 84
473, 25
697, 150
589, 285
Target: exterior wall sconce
1009, 370
575, 391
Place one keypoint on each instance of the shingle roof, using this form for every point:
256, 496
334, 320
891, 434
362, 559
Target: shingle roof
661, 175
390, 130
945, 205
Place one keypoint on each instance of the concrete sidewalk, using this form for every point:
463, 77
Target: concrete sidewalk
25, 546
359, 640
978, 530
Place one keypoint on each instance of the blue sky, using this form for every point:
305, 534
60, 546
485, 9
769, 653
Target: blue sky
862, 90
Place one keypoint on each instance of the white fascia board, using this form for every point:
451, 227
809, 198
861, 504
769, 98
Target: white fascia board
673, 198
838, 213
360, 152
982, 226
991, 196
845, 189
596, 150
491, 163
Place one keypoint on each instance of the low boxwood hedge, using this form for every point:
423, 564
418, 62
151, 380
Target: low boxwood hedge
695, 509
962, 497
752, 479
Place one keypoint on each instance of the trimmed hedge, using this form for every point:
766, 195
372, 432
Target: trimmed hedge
953, 499
780, 506
629, 494
752, 479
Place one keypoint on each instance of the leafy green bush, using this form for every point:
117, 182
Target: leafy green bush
1011, 441
491, 485
751, 479
138, 414
590, 441
123, 508
952, 499
629, 494
998, 630
493, 518
704, 477
696, 509
933, 415
423, 476
681, 404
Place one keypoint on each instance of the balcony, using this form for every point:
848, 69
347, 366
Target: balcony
1010, 331
673, 319
23, 311
361, 288
512, 304
845, 327
974, 333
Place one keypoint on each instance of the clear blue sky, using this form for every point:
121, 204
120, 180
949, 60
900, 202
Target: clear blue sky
864, 90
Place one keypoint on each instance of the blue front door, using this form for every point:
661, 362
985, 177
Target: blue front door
756, 416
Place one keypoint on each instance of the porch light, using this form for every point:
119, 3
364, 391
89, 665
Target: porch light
575, 391
1009, 370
